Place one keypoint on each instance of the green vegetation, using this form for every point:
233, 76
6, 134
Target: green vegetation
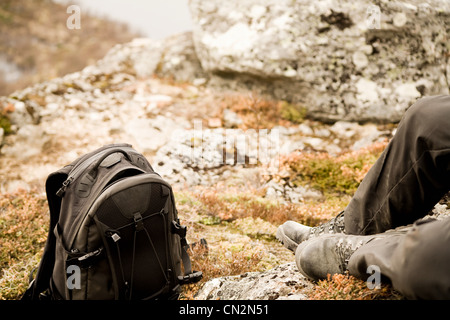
333, 176
5, 124
292, 112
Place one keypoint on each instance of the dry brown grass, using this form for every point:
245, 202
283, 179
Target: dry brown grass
259, 112
229, 207
208, 212
23, 232
220, 264
346, 287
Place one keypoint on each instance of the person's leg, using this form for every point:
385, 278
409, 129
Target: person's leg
409, 178
411, 175
417, 262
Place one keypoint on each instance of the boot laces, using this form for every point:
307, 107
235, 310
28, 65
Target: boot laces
335, 225
344, 250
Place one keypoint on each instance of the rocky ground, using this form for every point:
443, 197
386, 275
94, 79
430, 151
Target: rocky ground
181, 128
214, 122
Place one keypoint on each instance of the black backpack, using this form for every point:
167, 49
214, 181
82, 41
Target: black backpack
114, 232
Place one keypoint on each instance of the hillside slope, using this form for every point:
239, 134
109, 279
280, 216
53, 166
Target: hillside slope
36, 45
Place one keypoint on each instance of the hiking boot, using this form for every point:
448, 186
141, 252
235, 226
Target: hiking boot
328, 254
291, 233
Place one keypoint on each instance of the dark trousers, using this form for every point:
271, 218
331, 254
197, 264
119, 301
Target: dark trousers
409, 178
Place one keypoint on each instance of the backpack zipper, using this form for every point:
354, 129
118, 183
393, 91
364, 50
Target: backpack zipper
79, 168
62, 190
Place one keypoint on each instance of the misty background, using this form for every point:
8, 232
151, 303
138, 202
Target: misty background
152, 18
36, 45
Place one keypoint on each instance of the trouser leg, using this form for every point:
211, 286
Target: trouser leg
411, 175
416, 262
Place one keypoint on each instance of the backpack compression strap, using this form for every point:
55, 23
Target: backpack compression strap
189, 275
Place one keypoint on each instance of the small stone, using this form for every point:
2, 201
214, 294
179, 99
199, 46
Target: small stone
400, 20
290, 73
231, 119
407, 90
305, 129
52, 107
28, 142
199, 81
214, 122
360, 60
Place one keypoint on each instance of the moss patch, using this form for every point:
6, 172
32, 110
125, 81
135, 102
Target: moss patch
5, 124
332, 175
292, 112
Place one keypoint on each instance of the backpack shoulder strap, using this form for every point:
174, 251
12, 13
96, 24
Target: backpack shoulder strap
41, 281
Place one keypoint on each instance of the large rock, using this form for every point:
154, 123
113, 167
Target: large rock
173, 57
28, 142
343, 60
283, 282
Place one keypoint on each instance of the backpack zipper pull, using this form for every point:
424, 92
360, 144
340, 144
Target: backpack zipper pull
61, 190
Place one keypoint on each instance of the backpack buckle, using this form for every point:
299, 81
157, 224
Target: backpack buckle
178, 229
138, 223
191, 277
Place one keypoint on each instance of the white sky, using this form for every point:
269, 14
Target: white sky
153, 18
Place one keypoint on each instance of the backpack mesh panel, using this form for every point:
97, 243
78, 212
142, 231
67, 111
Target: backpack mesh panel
140, 257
